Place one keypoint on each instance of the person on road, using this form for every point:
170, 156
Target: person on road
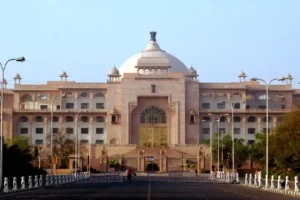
128, 174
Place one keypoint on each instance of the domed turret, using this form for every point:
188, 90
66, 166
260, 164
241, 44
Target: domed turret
114, 75
64, 76
242, 76
289, 78
192, 74
17, 79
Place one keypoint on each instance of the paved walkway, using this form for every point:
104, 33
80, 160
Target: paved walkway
148, 188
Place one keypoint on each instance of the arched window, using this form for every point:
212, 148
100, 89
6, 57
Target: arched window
236, 95
43, 96
205, 94
223, 119
27, 98
84, 119
55, 119
99, 119
236, 119
83, 95
265, 119
39, 119
23, 119
113, 141
69, 119
251, 119
205, 119
69, 95
99, 94
263, 97
154, 115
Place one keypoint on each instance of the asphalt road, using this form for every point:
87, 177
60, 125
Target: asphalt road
147, 188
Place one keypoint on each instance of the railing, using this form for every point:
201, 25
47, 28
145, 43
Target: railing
246, 110
116, 145
42, 181
60, 111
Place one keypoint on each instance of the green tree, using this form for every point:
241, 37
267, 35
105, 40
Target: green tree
257, 151
284, 144
21, 141
225, 150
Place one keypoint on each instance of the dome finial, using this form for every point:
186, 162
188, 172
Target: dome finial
153, 36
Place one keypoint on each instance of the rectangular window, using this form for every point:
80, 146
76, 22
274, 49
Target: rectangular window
84, 130
84, 105
43, 107
265, 130
282, 106
251, 130
99, 141
205, 105
99, 130
222, 130
205, 131
221, 105
251, 141
84, 141
99, 105
57, 107
55, 130
39, 130
69, 130
237, 131
248, 107
69, 105
262, 107
24, 131
237, 106
39, 142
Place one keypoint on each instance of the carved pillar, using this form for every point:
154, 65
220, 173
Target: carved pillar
163, 161
200, 160
104, 160
141, 160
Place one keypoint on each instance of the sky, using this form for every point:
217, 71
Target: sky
86, 38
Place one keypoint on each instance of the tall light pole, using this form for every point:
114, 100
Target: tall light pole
211, 138
51, 132
76, 142
232, 128
218, 120
267, 120
20, 59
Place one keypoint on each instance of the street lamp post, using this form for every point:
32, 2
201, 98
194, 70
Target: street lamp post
267, 120
51, 132
76, 142
218, 120
232, 129
20, 59
211, 138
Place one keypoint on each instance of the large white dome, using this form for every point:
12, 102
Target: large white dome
153, 56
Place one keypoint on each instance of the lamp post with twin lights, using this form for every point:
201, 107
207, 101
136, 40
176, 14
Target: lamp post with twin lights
20, 59
232, 128
267, 85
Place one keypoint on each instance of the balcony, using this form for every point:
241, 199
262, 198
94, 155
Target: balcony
254, 110
93, 110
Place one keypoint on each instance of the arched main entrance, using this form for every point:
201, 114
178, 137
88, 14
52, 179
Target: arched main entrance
153, 130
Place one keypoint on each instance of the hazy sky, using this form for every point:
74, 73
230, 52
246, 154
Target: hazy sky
87, 37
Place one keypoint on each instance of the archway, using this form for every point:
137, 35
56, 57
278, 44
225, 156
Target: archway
152, 167
153, 130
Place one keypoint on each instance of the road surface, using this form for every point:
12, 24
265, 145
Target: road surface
148, 188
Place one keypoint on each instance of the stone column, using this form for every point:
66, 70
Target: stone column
104, 160
200, 160
141, 160
244, 120
163, 161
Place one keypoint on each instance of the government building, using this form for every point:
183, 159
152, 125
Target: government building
152, 109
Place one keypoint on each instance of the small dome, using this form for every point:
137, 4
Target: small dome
114, 72
17, 76
289, 76
64, 74
242, 74
192, 72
